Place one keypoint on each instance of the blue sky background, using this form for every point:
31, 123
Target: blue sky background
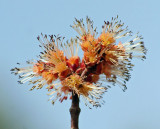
22, 21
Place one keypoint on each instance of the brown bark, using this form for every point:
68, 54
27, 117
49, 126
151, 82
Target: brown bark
74, 111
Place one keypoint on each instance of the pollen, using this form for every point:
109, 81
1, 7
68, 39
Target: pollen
86, 89
49, 76
38, 68
76, 83
88, 43
73, 81
60, 67
107, 38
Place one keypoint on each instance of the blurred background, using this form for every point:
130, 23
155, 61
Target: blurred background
21, 21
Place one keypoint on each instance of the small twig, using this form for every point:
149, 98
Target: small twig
74, 111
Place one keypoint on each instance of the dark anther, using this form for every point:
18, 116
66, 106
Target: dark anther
38, 37
12, 69
80, 86
20, 82
51, 36
20, 76
133, 47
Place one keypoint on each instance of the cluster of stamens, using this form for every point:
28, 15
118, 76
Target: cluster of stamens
104, 60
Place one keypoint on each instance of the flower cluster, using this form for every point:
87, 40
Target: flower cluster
61, 70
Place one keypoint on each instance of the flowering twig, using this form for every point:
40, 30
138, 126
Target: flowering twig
64, 74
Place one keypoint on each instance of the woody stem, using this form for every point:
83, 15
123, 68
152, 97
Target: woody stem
74, 111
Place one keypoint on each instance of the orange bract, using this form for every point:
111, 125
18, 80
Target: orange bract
92, 78
73, 63
107, 70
